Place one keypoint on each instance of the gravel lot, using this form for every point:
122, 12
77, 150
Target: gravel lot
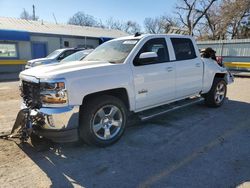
192, 147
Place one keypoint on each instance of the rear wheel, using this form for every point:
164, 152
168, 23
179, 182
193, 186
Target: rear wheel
217, 94
102, 121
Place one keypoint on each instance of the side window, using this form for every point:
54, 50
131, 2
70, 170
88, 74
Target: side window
69, 52
158, 46
66, 54
183, 48
66, 43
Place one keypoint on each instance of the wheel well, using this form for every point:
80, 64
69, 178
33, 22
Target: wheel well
120, 93
219, 75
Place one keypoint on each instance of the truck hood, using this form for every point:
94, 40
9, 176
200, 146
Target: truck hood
42, 60
39, 60
60, 69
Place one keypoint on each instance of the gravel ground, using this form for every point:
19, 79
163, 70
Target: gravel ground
192, 147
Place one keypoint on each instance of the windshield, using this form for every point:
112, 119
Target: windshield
114, 51
54, 54
77, 56
74, 57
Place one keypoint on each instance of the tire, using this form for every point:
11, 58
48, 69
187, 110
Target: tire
217, 94
102, 120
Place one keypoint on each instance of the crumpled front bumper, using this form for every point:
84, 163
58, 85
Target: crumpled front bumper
59, 125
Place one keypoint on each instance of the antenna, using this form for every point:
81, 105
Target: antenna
54, 18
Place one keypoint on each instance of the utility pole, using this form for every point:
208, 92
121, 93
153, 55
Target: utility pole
34, 12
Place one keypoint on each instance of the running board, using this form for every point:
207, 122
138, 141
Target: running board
151, 113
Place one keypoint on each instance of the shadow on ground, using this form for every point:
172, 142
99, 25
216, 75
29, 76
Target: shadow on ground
192, 147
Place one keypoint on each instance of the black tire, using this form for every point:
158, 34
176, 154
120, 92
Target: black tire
210, 97
39, 143
89, 113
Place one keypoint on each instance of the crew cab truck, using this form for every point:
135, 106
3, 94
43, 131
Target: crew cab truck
91, 99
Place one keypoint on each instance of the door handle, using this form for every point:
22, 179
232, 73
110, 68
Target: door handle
169, 69
198, 64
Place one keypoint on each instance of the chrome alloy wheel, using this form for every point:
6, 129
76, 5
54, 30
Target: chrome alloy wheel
107, 122
220, 92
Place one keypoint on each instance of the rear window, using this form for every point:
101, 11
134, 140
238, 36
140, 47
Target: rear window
183, 49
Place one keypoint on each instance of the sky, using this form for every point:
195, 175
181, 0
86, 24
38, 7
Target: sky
124, 10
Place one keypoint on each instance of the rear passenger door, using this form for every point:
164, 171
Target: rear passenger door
189, 68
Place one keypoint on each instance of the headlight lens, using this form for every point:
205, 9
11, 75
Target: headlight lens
37, 63
53, 94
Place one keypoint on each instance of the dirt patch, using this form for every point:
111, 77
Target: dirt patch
9, 104
17, 169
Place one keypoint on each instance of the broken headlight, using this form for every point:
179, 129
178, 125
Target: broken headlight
53, 93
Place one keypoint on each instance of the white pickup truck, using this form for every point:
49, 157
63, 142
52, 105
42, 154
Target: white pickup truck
92, 99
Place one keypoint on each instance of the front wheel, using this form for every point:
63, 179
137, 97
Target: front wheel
102, 121
217, 94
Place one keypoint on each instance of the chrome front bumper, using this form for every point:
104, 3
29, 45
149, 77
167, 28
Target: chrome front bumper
60, 124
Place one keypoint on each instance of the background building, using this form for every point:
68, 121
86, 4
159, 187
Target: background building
22, 40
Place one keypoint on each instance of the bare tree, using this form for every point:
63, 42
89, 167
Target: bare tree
130, 27
190, 12
233, 12
225, 19
111, 23
216, 27
26, 16
244, 30
160, 24
101, 24
82, 19
169, 22
153, 25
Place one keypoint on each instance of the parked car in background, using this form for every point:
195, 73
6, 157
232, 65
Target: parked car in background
54, 57
77, 56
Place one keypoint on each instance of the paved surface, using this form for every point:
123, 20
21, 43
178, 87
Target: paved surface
192, 147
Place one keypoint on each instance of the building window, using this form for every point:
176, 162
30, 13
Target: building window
66, 43
8, 50
85, 46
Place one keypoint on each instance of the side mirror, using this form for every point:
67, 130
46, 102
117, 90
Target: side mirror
147, 58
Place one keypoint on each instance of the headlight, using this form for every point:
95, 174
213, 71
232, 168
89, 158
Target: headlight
37, 63
53, 94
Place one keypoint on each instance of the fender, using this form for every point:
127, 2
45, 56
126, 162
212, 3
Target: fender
211, 69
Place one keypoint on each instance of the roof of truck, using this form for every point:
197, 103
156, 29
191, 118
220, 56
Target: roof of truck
150, 35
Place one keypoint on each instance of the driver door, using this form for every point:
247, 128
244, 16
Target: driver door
154, 82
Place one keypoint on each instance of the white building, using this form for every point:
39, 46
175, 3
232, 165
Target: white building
21, 40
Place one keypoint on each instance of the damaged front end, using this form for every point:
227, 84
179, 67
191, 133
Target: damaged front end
45, 111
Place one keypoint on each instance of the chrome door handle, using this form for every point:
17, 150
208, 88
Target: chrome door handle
169, 69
